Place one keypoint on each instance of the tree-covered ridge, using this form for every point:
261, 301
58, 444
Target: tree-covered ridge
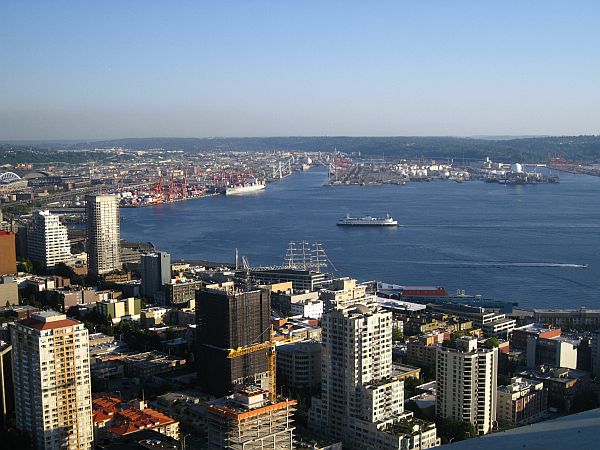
531, 150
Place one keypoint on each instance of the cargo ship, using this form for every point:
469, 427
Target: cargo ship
245, 188
367, 221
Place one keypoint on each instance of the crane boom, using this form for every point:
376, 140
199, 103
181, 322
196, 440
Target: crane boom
272, 359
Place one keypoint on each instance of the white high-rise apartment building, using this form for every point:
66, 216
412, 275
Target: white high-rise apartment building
47, 240
51, 371
467, 383
361, 403
103, 233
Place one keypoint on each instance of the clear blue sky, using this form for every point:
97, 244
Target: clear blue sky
104, 69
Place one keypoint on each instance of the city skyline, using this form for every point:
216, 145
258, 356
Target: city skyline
85, 71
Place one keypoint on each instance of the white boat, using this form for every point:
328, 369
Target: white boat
245, 188
386, 221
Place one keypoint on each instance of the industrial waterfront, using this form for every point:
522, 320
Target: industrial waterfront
529, 244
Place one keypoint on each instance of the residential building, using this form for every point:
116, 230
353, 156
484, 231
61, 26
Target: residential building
47, 240
156, 272
361, 403
492, 323
299, 364
249, 420
181, 292
51, 370
103, 233
521, 402
114, 418
8, 253
467, 383
119, 309
7, 394
422, 351
230, 318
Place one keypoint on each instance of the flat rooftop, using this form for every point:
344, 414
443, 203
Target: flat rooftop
577, 431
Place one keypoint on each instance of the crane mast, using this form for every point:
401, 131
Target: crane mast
271, 356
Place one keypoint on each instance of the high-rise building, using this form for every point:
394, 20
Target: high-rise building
467, 383
250, 420
595, 352
8, 253
7, 397
228, 319
156, 272
299, 364
51, 372
47, 240
361, 402
103, 233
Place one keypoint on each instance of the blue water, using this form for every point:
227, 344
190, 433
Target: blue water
516, 243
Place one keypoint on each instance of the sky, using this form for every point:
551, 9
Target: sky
113, 69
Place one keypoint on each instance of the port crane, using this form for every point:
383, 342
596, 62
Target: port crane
272, 359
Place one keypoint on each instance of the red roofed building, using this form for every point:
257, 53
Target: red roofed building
112, 417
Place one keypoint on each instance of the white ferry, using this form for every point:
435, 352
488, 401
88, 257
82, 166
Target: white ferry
386, 221
246, 188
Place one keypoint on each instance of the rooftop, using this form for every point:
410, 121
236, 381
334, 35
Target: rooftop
536, 328
250, 402
47, 320
577, 431
518, 384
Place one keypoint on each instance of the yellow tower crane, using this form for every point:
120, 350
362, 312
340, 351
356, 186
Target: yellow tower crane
272, 359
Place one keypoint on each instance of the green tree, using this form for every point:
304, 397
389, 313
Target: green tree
26, 265
452, 430
491, 342
397, 335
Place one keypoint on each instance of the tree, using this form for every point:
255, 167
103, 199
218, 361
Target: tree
491, 342
397, 335
410, 386
26, 265
454, 430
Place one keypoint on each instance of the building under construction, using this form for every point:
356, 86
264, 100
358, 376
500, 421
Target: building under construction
250, 420
229, 319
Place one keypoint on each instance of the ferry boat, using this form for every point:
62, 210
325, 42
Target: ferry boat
386, 221
245, 188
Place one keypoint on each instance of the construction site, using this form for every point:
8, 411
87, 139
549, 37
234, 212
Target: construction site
236, 352
250, 420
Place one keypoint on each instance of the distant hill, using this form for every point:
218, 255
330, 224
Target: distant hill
530, 149
505, 149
